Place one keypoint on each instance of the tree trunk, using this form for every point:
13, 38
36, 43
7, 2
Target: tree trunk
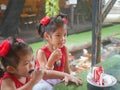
96, 31
9, 25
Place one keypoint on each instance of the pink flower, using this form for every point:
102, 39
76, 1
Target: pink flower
45, 20
4, 47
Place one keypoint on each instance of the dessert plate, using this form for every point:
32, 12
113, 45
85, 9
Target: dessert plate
109, 80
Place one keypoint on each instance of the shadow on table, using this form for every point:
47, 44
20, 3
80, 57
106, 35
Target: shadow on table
91, 87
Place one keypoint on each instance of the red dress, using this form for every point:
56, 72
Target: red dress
18, 84
48, 53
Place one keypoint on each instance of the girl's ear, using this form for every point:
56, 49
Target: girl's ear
10, 69
46, 35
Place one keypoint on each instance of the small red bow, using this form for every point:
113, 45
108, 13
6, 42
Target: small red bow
65, 21
4, 47
45, 20
20, 40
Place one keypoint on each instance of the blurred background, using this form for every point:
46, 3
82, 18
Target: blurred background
78, 12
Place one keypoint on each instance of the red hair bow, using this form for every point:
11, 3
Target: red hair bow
20, 40
45, 20
4, 47
65, 21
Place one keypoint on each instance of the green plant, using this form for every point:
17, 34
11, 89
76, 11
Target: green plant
51, 8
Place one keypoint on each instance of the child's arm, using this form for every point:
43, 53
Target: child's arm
41, 57
48, 64
54, 57
61, 75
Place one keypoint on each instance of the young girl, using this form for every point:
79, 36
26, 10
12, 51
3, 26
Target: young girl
18, 70
54, 54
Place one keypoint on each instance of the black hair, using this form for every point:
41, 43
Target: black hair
12, 57
51, 27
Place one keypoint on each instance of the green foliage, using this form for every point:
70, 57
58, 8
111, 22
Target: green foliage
52, 8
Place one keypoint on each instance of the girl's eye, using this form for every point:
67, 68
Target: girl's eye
57, 35
26, 63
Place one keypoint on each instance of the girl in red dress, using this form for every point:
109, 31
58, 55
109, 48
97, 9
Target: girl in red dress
53, 55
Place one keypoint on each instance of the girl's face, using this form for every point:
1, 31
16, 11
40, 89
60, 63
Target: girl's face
26, 64
58, 38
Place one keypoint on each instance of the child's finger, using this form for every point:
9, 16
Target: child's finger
78, 81
75, 81
66, 81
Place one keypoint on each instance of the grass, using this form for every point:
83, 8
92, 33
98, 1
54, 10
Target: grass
81, 38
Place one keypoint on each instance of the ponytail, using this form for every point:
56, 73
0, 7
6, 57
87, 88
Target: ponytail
41, 30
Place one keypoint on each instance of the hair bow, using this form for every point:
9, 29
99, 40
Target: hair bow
65, 21
4, 47
19, 40
45, 20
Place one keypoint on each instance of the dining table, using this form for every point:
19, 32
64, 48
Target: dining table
111, 67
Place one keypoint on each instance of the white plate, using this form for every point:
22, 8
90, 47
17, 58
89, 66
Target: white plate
112, 81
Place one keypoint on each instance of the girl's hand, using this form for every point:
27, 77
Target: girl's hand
56, 55
73, 79
37, 75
